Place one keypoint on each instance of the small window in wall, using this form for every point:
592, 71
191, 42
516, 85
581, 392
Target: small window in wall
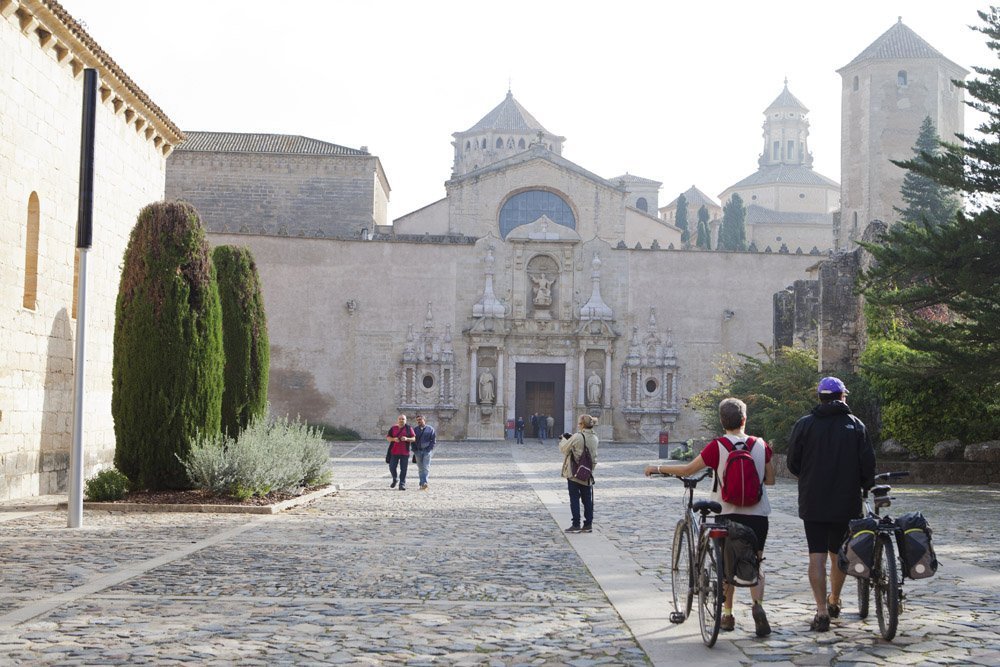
428, 381
901, 77
651, 386
641, 204
484, 144
468, 145
791, 148
520, 144
753, 197
499, 143
802, 195
857, 83
776, 155
30, 300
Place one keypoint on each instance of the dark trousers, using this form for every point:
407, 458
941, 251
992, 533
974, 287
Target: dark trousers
403, 462
579, 493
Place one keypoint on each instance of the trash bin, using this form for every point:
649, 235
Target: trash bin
664, 445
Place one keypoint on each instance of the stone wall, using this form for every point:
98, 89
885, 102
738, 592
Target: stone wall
40, 104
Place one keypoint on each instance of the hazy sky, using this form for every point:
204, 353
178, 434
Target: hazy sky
669, 91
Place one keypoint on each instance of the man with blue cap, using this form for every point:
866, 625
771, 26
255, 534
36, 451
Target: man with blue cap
830, 454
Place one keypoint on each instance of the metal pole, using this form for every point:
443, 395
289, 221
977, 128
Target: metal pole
84, 239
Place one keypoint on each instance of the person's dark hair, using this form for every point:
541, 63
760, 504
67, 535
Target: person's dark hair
732, 412
829, 398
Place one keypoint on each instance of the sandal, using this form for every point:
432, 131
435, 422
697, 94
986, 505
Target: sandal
820, 623
832, 608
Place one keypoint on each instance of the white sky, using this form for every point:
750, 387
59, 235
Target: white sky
669, 91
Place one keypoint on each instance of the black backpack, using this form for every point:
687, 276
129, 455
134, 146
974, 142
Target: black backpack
915, 546
741, 565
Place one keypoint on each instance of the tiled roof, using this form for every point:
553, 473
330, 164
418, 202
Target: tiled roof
785, 173
786, 101
759, 215
112, 67
631, 179
899, 42
696, 198
285, 144
508, 116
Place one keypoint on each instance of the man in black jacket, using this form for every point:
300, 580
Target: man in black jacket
830, 454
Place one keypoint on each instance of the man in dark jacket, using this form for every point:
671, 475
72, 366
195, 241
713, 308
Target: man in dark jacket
830, 454
423, 448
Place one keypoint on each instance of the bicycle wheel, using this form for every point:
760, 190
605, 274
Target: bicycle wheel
864, 593
710, 591
681, 556
885, 581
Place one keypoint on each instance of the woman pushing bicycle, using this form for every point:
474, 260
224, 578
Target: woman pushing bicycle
742, 466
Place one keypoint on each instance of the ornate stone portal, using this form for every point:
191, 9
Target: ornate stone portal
426, 377
649, 382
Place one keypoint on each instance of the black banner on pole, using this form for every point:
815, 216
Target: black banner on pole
85, 212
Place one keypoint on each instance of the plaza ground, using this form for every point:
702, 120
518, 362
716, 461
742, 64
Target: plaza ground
474, 571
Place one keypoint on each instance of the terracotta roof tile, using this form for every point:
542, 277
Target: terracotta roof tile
285, 144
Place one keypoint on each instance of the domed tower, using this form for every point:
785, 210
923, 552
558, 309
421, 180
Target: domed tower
786, 132
505, 131
886, 93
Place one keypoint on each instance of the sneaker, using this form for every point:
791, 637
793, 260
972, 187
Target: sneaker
393, 485
833, 608
820, 623
402, 487
760, 620
423, 487
573, 529
727, 623
587, 528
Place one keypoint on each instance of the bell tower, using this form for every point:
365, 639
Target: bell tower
786, 132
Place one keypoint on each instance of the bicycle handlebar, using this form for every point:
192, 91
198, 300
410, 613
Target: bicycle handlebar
892, 475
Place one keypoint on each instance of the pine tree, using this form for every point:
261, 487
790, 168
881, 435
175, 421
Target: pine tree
244, 337
704, 239
168, 358
925, 198
733, 235
682, 220
955, 264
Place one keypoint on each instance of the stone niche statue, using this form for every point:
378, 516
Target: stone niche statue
595, 387
543, 289
487, 391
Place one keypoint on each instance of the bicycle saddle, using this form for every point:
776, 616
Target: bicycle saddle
706, 506
880, 490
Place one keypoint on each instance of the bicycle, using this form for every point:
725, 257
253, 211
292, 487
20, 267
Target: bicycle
887, 570
698, 570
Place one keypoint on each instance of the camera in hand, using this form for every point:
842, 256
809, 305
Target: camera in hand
566, 435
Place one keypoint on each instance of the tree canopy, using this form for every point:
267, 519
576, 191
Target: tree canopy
733, 235
682, 219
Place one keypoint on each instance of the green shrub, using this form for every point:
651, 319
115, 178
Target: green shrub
244, 337
109, 484
337, 433
268, 455
168, 357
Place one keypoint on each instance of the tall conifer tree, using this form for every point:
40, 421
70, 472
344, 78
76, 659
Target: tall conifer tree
733, 235
925, 198
704, 239
682, 219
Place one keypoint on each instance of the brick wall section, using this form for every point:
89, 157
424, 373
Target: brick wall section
286, 195
40, 103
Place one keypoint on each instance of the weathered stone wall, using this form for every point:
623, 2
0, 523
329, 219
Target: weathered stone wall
294, 195
40, 104
336, 341
840, 314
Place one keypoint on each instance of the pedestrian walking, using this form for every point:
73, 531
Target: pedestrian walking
400, 436
519, 430
550, 426
571, 446
830, 454
423, 448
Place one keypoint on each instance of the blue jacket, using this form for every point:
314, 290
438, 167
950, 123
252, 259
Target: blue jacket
426, 438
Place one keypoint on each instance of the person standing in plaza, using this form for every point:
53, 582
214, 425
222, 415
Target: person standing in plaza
400, 436
519, 430
580, 492
423, 448
542, 427
715, 455
534, 426
830, 454
550, 426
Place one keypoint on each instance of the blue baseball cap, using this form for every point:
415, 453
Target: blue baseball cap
831, 385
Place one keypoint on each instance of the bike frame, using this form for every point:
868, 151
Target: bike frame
887, 570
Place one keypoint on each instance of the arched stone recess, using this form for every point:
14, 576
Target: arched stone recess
649, 382
426, 377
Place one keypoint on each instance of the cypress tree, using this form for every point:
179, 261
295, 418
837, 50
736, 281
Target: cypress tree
682, 220
168, 357
704, 239
733, 235
244, 337
925, 198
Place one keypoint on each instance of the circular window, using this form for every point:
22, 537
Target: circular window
651, 386
753, 197
802, 195
428, 381
777, 238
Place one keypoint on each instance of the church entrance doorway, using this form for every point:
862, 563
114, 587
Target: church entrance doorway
541, 388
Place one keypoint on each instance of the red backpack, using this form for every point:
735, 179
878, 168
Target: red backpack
741, 483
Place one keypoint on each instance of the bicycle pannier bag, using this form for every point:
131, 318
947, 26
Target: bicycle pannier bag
857, 553
741, 483
915, 546
739, 556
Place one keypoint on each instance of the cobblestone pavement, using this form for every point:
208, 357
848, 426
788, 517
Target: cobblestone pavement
475, 571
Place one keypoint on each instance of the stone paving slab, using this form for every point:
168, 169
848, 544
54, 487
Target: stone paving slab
475, 571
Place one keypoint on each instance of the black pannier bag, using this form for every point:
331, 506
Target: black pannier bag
915, 546
741, 566
857, 553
